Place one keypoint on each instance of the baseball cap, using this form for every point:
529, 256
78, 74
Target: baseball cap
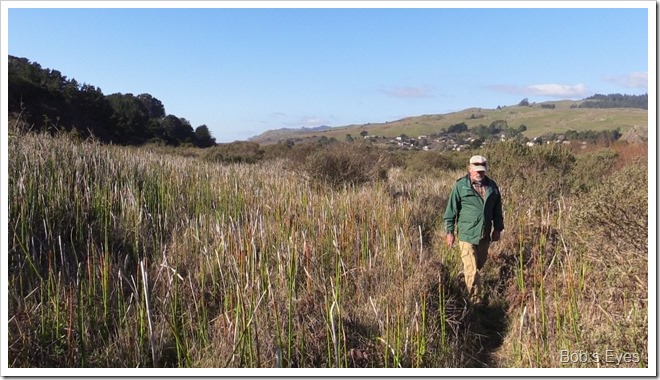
478, 163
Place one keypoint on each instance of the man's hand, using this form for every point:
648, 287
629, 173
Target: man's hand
450, 240
495, 236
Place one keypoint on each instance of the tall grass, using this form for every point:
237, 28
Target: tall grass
121, 257
581, 268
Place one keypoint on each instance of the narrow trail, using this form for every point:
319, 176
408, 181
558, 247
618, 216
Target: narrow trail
489, 324
479, 329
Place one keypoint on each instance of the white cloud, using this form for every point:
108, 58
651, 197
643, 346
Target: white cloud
559, 90
408, 92
632, 80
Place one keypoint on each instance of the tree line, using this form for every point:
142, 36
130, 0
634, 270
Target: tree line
615, 101
47, 100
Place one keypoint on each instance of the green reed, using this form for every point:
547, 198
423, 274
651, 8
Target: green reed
244, 266
127, 207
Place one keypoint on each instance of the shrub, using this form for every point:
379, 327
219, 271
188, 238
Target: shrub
298, 154
431, 162
426, 162
608, 229
538, 173
341, 163
278, 150
613, 216
236, 152
458, 128
590, 169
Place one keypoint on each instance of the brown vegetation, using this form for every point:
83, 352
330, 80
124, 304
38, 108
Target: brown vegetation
321, 258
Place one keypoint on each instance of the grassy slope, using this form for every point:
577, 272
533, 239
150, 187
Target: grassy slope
538, 121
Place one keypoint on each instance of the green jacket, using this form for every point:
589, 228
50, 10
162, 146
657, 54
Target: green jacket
467, 209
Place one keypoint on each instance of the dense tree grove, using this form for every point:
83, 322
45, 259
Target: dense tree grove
604, 137
457, 128
616, 101
48, 100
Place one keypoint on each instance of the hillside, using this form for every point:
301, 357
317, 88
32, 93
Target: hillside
538, 120
283, 133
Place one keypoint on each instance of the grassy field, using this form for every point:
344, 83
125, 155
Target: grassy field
122, 257
538, 121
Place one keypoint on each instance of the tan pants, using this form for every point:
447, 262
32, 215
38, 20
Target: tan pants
474, 257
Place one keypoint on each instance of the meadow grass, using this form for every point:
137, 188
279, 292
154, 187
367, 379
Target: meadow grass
125, 257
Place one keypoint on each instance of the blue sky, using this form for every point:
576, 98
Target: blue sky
244, 71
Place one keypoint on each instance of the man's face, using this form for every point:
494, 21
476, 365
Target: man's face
477, 175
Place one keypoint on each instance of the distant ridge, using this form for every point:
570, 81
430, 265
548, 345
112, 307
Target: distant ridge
281, 132
538, 118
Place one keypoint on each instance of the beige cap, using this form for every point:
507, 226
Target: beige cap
478, 163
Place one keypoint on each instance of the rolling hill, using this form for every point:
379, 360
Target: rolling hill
539, 118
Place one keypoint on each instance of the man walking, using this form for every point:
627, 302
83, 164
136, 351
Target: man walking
475, 206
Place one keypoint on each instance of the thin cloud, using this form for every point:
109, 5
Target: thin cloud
559, 90
632, 80
508, 89
409, 92
549, 89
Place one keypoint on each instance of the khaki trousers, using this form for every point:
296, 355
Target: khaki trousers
474, 257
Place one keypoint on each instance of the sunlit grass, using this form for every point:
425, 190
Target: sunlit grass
121, 257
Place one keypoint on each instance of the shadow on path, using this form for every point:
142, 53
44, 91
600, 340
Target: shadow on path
488, 324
